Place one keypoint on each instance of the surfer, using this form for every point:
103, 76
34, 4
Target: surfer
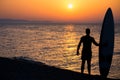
87, 41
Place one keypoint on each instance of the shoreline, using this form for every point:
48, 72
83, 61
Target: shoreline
21, 69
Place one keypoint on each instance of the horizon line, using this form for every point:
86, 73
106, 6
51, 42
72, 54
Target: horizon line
13, 21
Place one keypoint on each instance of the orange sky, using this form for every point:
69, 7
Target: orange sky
57, 10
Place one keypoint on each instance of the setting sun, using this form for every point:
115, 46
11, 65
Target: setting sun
70, 6
58, 10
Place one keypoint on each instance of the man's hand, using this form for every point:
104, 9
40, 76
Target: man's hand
105, 44
77, 53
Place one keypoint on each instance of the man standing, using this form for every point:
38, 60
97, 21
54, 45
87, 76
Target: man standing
87, 41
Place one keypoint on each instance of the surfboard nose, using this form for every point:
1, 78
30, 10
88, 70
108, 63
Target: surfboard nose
109, 9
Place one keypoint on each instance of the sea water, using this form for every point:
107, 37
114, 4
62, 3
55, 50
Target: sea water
55, 45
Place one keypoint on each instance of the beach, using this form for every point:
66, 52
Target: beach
21, 69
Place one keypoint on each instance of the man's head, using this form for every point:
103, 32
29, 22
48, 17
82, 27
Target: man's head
88, 31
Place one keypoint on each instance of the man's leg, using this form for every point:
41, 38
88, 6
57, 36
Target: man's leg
89, 66
82, 66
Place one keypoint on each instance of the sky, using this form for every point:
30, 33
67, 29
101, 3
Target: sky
86, 11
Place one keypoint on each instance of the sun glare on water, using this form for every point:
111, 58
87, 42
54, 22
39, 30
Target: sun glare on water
70, 6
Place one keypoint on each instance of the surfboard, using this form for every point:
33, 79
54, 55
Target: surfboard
106, 48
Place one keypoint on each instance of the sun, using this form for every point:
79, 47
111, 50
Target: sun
70, 6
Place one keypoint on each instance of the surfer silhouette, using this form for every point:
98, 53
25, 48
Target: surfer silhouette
87, 41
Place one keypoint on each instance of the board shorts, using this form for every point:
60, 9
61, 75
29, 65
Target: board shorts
86, 55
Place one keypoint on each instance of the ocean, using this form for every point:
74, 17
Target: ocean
55, 45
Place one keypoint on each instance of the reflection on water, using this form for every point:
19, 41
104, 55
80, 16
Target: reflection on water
54, 45
70, 45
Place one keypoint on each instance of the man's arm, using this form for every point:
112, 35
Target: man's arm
95, 43
78, 47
